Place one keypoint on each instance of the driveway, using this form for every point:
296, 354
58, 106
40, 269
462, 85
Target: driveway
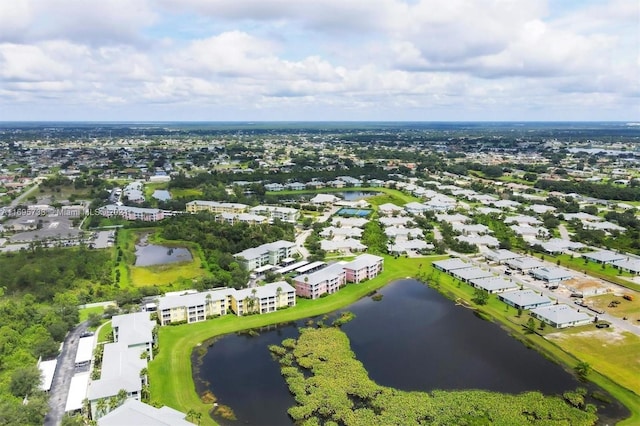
62, 377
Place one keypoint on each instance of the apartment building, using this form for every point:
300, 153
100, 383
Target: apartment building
285, 214
325, 281
363, 267
131, 213
263, 299
193, 306
215, 207
266, 254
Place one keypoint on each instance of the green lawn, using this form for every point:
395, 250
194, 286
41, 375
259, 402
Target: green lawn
176, 343
105, 333
389, 195
185, 192
85, 312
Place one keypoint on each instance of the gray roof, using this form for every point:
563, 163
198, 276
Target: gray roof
120, 370
136, 413
252, 253
525, 298
525, 263
501, 255
560, 314
494, 283
552, 273
267, 290
452, 264
134, 329
192, 299
362, 261
471, 273
322, 275
604, 256
630, 264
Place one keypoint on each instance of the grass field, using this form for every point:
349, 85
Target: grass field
85, 312
388, 195
176, 343
105, 333
626, 308
610, 352
185, 192
171, 276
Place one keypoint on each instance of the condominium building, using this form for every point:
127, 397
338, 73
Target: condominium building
285, 214
266, 254
363, 267
215, 207
325, 281
263, 299
131, 213
193, 307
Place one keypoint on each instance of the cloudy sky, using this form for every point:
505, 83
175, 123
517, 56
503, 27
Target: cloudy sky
320, 60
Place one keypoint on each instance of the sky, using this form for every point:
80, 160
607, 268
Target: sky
320, 60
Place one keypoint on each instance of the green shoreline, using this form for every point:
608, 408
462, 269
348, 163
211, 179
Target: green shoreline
176, 343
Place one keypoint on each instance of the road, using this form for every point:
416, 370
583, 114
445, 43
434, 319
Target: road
533, 284
300, 239
13, 204
62, 377
564, 234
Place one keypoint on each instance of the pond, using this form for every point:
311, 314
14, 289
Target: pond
151, 254
413, 339
161, 194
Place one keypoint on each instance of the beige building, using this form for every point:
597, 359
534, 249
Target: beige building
215, 207
263, 299
192, 306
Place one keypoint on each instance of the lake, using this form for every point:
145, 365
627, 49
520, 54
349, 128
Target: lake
413, 339
151, 254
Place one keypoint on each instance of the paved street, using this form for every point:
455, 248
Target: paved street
62, 377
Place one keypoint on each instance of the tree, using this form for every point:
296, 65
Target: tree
582, 369
25, 380
102, 408
480, 297
530, 328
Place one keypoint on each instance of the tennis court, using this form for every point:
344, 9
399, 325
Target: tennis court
345, 211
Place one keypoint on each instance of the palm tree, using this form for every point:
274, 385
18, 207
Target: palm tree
102, 408
208, 309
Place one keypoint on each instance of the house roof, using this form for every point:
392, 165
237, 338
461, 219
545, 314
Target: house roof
471, 273
525, 298
560, 314
525, 263
452, 264
494, 283
604, 256
552, 273
501, 255
192, 299
630, 264
121, 368
136, 413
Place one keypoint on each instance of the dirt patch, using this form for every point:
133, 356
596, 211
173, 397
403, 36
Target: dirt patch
610, 336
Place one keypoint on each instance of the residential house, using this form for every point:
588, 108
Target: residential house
524, 299
561, 316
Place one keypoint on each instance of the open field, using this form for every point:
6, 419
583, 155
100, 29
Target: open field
167, 274
390, 195
626, 308
610, 352
85, 312
105, 333
185, 192
177, 342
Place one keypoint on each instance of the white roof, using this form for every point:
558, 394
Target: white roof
346, 244
364, 260
192, 299
552, 273
267, 290
494, 283
452, 264
136, 413
525, 298
85, 349
630, 264
604, 256
48, 369
322, 275
471, 273
309, 266
77, 391
121, 368
135, 328
560, 314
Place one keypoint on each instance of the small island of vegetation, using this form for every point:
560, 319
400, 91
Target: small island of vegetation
331, 386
